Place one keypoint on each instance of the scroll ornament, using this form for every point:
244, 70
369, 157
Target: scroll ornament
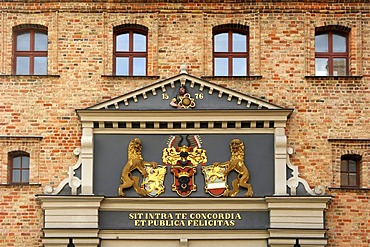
294, 181
73, 182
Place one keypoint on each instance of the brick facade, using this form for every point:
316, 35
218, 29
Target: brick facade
331, 114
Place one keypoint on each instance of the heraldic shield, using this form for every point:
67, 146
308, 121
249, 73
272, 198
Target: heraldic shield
184, 160
153, 182
215, 179
184, 180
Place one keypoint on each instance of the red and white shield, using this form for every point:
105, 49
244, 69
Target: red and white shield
215, 179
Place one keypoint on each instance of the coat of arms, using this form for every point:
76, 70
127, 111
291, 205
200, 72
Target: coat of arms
153, 182
215, 179
184, 160
219, 172
153, 174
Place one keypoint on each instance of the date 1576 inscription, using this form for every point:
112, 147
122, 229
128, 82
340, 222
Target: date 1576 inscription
184, 219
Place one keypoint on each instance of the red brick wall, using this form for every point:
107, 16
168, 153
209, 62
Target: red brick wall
281, 51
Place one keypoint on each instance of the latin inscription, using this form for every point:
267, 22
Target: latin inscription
184, 219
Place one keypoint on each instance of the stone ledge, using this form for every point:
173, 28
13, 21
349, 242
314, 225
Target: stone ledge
334, 78
31, 76
349, 188
228, 78
21, 137
21, 184
154, 77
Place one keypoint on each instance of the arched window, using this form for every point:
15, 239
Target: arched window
331, 51
130, 50
349, 170
230, 50
30, 50
19, 167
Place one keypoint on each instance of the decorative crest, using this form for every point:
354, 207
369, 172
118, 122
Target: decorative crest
215, 179
153, 174
236, 163
182, 99
184, 160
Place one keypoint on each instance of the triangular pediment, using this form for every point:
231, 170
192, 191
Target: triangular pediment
204, 95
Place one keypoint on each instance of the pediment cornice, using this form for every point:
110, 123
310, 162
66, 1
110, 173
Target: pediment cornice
143, 98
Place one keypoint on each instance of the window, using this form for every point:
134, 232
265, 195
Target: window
349, 171
130, 50
19, 167
230, 50
30, 50
331, 51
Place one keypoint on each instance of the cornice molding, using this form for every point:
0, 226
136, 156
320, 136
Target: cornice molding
176, 115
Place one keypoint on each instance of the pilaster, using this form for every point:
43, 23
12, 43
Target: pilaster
299, 218
280, 159
87, 148
71, 219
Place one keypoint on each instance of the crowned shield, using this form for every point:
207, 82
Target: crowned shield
215, 179
153, 182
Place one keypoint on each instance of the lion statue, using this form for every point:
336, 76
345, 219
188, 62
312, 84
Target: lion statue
236, 163
135, 162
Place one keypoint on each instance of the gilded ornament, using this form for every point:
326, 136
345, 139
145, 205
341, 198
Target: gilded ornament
183, 99
215, 179
183, 160
237, 164
151, 177
153, 183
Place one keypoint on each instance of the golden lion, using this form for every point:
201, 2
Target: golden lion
215, 173
237, 164
155, 180
135, 162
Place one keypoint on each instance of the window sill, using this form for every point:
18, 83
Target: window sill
31, 76
347, 140
21, 137
336, 78
350, 188
248, 78
20, 184
130, 77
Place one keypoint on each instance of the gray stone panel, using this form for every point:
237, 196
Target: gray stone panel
203, 100
258, 220
110, 156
